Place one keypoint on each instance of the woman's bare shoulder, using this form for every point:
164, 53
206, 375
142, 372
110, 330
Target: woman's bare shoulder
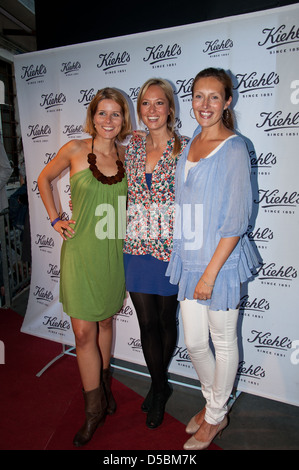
77, 146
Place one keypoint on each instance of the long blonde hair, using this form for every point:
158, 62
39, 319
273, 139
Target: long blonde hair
167, 88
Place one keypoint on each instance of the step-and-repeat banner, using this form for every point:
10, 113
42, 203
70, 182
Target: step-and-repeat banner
261, 51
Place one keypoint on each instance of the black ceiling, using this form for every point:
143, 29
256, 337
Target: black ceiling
60, 23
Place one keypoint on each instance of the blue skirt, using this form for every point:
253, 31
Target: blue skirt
146, 274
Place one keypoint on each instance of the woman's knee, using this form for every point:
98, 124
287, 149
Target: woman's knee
84, 332
197, 344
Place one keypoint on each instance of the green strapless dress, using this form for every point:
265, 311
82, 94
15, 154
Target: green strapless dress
92, 281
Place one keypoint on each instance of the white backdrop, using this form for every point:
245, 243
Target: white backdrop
261, 50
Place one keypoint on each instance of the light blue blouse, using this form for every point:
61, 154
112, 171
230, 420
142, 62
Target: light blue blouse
214, 202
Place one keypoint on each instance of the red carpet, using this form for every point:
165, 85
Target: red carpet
44, 413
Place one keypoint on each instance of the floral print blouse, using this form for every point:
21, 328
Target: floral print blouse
150, 211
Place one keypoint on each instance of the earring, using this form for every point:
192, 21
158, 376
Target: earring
193, 117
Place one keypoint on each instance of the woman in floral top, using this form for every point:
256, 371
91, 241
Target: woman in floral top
150, 166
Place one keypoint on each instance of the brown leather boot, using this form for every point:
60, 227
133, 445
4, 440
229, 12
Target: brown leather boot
111, 404
95, 413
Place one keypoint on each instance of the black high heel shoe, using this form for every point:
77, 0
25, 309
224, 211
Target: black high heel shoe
156, 412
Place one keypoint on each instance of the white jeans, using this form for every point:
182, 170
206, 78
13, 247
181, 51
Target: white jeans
217, 372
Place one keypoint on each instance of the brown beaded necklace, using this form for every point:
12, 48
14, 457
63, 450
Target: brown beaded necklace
91, 158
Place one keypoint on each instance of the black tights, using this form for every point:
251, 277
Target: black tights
158, 327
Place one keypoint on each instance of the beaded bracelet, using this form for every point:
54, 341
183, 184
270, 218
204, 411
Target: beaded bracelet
54, 221
209, 285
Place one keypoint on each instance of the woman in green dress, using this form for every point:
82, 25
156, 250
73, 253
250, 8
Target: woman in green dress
92, 283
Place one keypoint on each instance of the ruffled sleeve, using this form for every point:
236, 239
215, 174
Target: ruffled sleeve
236, 204
249, 260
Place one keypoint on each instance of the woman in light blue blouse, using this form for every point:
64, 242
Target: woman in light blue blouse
211, 254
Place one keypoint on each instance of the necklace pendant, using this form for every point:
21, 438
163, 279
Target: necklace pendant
91, 158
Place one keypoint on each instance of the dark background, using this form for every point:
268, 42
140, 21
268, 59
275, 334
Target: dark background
61, 23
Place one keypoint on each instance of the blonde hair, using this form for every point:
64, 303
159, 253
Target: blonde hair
109, 94
167, 88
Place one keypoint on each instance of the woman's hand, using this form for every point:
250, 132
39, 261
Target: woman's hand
64, 229
203, 290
